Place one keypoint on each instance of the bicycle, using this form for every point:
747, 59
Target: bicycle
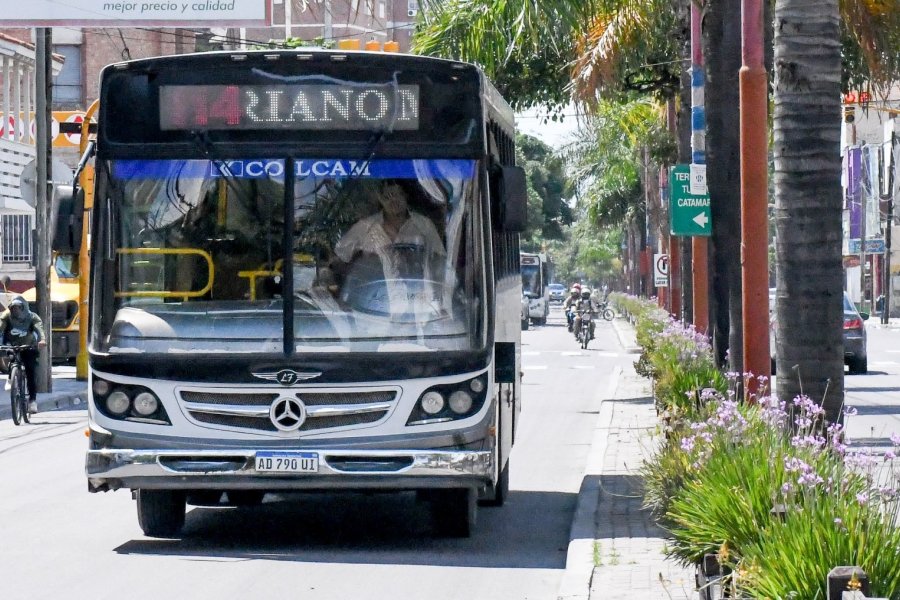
18, 390
606, 312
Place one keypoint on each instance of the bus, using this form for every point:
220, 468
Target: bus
259, 320
535, 285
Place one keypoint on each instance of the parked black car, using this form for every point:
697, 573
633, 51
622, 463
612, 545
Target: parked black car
855, 356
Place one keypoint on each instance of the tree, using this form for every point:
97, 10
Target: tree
808, 197
550, 191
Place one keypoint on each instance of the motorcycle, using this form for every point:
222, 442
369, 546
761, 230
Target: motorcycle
570, 318
583, 335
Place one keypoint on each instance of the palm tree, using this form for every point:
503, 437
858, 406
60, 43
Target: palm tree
621, 46
809, 284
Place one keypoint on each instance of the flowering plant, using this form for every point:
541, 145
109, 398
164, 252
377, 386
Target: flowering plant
779, 495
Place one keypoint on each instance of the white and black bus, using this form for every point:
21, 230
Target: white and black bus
266, 315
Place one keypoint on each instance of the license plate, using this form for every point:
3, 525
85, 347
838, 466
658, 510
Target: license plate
287, 462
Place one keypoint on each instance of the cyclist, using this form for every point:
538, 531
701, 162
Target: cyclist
21, 327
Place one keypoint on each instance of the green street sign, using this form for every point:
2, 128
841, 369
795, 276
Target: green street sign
689, 214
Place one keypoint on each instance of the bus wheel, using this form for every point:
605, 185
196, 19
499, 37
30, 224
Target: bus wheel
161, 512
500, 491
453, 512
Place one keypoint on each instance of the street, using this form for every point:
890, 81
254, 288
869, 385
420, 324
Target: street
61, 542
876, 395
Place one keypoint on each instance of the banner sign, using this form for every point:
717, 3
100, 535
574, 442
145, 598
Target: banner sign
140, 13
13, 129
263, 168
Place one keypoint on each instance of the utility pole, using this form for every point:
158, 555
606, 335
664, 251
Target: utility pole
699, 244
754, 198
887, 193
43, 213
863, 207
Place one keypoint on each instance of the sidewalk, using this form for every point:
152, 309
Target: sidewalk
67, 393
615, 547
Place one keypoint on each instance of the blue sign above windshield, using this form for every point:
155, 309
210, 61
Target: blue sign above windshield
303, 168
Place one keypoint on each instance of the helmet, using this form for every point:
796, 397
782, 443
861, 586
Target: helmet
586, 294
577, 286
574, 290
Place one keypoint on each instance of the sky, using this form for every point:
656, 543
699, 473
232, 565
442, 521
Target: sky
554, 134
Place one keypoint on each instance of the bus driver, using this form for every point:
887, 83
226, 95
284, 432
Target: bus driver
393, 244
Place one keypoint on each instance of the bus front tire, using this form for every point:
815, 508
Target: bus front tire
161, 512
453, 512
500, 490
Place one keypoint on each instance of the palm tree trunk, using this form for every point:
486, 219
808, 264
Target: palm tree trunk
809, 284
722, 49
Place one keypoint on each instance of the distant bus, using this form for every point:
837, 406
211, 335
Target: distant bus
64, 306
536, 285
258, 325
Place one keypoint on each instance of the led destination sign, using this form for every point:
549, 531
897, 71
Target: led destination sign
301, 106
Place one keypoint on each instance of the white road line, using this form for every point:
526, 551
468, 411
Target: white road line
584, 367
608, 354
572, 354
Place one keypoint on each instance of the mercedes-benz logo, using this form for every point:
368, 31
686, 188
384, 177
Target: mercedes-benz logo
286, 376
287, 414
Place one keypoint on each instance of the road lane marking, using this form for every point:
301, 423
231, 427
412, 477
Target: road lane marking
583, 367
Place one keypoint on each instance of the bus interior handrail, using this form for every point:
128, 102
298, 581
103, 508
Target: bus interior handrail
184, 294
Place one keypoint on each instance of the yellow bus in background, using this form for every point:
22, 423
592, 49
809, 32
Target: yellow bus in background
64, 300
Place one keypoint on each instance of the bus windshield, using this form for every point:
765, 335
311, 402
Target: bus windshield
383, 256
531, 280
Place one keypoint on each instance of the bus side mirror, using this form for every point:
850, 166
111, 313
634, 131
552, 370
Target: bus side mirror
511, 201
70, 213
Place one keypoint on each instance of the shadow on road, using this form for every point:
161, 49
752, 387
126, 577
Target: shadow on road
873, 389
530, 531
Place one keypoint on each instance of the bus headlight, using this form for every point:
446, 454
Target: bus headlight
101, 387
145, 404
450, 402
460, 402
118, 402
128, 402
432, 402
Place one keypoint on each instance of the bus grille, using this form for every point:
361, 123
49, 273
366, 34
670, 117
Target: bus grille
335, 409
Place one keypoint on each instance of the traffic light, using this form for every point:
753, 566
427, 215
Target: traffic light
849, 114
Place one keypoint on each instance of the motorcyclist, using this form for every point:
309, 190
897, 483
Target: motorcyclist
569, 305
21, 327
585, 304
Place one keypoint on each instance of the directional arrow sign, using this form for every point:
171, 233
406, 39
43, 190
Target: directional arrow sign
689, 213
701, 219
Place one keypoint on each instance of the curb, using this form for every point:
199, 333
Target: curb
52, 401
626, 341
576, 580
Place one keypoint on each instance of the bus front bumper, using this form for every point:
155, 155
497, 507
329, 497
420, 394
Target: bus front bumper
111, 469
